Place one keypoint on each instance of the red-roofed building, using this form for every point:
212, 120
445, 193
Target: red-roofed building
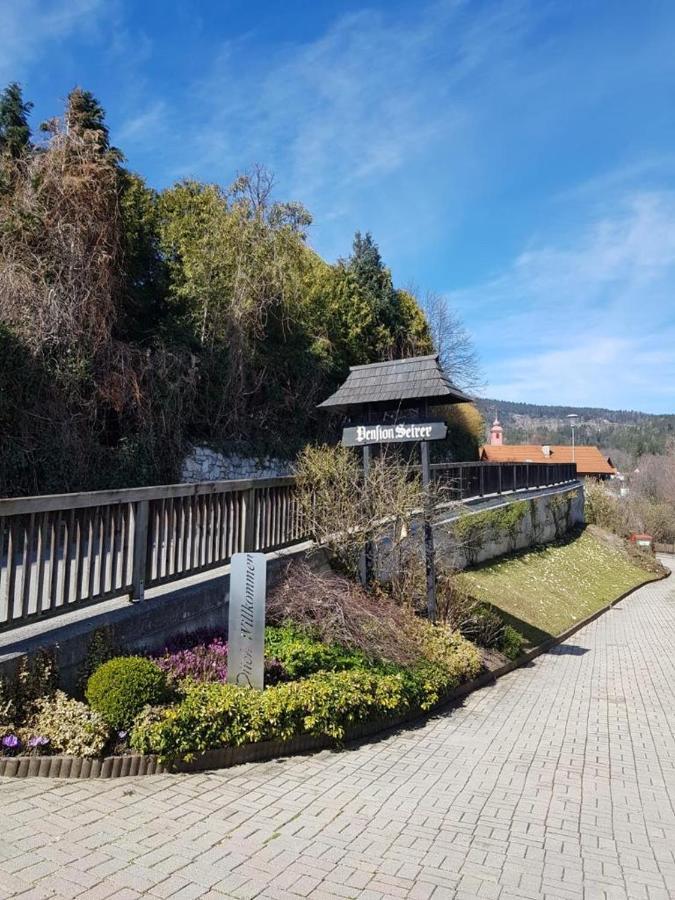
590, 461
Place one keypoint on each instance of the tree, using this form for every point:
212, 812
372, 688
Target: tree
14, 128
453, 343
85, 117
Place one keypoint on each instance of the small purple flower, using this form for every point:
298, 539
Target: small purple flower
10, 742
122, 735
38, 741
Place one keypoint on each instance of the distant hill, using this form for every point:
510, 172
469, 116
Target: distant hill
634, 433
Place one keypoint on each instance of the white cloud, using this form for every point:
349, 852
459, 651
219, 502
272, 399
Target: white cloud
143, 126
588, 320
361, 122
29, 26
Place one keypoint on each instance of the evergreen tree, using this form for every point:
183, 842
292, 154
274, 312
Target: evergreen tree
85, 117
14, 128
369, 272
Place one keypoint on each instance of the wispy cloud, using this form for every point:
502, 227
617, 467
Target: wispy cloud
375, 98
143, 126
29, 26
589, 319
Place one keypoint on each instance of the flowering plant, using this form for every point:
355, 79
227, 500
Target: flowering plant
202, 662
10, 744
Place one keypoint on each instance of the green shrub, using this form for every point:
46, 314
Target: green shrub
121, 687
301, 654
100, 649
219, 715
324, 703
512, 643
603, 508
70, 726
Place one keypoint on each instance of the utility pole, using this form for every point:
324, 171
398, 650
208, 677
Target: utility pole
572, 418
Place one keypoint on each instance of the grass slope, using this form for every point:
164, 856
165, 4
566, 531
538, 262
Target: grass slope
543, 591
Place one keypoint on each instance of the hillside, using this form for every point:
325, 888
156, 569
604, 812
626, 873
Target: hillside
546, 590
634, 433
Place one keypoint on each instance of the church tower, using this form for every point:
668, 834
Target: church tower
496, 434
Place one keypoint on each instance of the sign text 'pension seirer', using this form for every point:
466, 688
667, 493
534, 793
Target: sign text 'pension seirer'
398, 432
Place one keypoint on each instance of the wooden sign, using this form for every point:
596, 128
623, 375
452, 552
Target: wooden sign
393, 433
246, 632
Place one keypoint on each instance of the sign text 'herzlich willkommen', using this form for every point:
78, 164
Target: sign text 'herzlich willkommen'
246, 632
394, 433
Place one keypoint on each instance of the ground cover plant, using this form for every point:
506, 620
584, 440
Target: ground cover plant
543, 591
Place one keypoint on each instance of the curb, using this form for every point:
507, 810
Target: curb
226, 757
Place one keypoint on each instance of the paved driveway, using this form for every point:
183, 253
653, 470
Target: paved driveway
559, 781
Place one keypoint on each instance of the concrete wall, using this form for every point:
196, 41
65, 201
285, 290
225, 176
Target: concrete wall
462, 541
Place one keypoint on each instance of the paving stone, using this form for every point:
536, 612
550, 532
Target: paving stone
556, 782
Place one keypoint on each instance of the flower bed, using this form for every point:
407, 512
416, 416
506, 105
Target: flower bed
176, 704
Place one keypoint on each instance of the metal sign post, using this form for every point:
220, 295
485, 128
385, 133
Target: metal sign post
246, 631
428, 533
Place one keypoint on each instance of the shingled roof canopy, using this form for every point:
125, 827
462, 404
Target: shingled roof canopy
400, 382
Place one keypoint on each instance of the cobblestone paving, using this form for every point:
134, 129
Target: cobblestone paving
557, 782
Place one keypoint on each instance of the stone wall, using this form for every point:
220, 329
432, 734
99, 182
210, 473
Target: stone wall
205, 464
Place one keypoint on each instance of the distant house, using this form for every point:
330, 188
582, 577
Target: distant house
590, 461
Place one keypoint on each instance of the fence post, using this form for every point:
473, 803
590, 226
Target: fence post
499, 479
482, 483
140, 559
249, 522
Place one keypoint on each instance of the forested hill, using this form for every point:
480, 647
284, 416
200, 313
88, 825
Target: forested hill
632, 432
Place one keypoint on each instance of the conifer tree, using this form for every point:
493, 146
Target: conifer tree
14, 128
85, 117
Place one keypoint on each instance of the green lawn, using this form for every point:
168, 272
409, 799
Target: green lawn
545, 590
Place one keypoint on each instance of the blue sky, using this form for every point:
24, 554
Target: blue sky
518, 157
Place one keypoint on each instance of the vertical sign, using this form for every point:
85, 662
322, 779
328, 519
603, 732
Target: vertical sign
246, 631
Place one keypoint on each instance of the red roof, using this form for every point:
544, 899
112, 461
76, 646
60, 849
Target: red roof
589, 460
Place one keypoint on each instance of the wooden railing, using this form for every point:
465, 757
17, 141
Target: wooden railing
464, 481
65, 551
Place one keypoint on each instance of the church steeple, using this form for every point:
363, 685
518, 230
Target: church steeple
496, 433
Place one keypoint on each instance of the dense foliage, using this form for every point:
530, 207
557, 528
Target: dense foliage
134, 323
120, 688
70, 727
333, 689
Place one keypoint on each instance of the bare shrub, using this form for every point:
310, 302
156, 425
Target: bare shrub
455, 607
337, 609
60, 252
605, 509
342, 510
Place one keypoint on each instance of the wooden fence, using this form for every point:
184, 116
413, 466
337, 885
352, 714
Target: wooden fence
65, 551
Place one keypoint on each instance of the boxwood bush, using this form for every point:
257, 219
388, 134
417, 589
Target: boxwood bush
121, 687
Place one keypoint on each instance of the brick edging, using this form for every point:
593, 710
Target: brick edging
134, 764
